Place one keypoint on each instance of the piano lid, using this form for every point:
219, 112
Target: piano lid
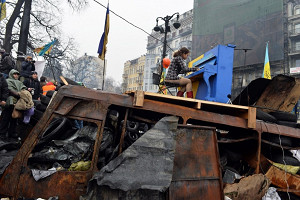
204, 60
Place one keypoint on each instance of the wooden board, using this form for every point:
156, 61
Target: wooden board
281, 94
63, 80
248, 113
280, 178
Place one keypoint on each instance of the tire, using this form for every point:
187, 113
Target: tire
287, 123
265, 116
143, 127
45, 100
283, 140
132, 136
284, 116
50, 93
289, 160
132, 126
54, 128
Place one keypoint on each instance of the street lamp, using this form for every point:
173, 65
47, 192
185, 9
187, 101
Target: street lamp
165, 30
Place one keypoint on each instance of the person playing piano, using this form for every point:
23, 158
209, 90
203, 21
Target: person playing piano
177, 67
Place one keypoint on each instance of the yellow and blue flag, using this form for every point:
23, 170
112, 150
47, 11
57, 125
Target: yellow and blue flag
267, 71
104, 38
45, 49
2, 9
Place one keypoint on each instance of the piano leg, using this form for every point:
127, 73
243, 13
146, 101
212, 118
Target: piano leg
206, 76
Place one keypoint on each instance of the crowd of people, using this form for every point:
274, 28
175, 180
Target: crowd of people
18, 91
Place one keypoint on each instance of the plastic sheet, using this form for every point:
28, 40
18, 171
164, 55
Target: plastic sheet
271, 194
147, 164
40, 174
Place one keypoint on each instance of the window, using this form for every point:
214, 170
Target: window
297, 63
297, 10
297, 46
297, 28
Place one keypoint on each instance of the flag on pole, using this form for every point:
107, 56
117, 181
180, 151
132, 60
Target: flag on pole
45, 49
267, 71
2, 9
104, 39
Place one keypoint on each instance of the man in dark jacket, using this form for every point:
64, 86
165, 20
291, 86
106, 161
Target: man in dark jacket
3, 90
27, 67
6, 64
33, 85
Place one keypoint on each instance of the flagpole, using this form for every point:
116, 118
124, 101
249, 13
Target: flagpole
103, 74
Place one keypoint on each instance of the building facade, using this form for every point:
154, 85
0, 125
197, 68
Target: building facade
293, 12
176, 38
250, 25
133, 74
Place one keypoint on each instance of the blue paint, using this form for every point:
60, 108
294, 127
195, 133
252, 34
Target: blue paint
215, 76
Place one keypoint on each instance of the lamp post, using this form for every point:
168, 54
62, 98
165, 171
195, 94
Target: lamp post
165, 30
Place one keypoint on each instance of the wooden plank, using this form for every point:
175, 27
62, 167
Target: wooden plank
281, 94
245, 112
138, 98
63, 80
292, 98
281, 178
252, 117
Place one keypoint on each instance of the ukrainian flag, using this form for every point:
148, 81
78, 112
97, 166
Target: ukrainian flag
267, 71
45, 49
104, 39
2, 9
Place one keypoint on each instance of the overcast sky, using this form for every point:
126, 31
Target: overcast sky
125, 42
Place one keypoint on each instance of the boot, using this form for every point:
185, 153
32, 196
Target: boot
180, 94
189, 94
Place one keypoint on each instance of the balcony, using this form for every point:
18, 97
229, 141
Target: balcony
294, 32
186, 43
125, 75
294, 52
139, 71
186, 32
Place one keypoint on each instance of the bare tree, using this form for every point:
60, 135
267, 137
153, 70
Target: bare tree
111, 85
86, 69
42, 23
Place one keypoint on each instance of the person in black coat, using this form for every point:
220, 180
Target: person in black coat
4, 93
33, 85
6, 63
27, 67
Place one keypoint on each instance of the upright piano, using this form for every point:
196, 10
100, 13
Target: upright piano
213, 80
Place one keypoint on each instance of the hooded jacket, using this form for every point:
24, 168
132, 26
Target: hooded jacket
14, 86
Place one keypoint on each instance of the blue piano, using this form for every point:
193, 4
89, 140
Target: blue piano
214, 79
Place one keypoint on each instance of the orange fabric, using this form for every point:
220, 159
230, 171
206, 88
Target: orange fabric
47, 88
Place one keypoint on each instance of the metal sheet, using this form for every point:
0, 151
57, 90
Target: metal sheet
196, 172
